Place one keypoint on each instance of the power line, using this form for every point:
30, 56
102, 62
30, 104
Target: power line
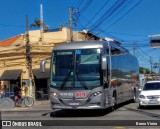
149, 50
86, 5
109, 12
9, 25
77, 4
124, 7
102, 31
142, 56
141, 52
104, 5
127, 34
124, 14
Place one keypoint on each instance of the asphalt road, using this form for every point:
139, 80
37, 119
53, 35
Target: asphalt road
125, 116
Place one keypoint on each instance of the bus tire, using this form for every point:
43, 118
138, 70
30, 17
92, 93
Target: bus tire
134, 97
114, 102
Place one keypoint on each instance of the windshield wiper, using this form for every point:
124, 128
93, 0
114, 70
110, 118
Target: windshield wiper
66, 79
81, 80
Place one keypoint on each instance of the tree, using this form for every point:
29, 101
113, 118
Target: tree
144, 70
37, 24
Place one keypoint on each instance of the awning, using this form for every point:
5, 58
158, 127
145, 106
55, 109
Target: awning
40, 75
10, 74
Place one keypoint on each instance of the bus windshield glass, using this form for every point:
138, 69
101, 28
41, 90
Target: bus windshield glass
76, 68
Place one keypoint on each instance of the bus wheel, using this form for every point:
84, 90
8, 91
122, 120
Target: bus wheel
113, 102
134, 97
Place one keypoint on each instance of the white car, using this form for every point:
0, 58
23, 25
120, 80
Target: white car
150, 94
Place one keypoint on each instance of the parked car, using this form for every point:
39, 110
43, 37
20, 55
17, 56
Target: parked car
150, 94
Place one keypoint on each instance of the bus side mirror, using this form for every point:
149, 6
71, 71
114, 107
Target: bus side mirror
42, 64
104, 63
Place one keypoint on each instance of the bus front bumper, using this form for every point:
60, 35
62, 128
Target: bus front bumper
94, 103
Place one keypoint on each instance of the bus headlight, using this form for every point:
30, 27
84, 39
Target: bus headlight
94, 94
97, 93
54, 94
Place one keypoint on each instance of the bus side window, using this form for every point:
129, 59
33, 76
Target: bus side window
115, 51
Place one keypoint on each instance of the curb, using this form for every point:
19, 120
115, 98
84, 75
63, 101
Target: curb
26, 109
38, 106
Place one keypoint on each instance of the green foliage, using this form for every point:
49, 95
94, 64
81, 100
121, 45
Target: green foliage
37, 24
143, 70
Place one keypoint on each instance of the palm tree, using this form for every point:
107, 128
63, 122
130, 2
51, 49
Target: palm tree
37, 24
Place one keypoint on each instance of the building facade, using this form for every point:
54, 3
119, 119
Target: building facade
14, 70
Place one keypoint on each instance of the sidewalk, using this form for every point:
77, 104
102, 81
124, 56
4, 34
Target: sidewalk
38, 106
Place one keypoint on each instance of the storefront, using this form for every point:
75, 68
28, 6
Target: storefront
41, 84
10, 79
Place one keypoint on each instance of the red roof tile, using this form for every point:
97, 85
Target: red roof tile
9, 42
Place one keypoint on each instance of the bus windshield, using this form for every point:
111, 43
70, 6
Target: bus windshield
76, 68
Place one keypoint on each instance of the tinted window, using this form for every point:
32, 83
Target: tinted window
76, 68
152, 86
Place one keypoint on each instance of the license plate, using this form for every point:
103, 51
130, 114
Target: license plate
74, 103
153, 102
80, 94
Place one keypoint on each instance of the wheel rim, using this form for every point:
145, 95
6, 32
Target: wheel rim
29, 101
113, 101
134, 96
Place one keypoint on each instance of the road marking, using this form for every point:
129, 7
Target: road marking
119, 127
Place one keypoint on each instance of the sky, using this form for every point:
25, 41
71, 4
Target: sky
130, 23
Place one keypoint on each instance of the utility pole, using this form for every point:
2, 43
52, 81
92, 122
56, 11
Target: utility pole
151, 65
41, 22
28, 58
134, 48
70, 24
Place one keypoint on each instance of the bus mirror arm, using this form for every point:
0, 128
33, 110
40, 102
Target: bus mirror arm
42, 64
104, 63
106, 85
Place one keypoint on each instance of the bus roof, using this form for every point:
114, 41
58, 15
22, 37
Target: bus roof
88, 44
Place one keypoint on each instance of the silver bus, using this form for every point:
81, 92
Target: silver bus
91, 75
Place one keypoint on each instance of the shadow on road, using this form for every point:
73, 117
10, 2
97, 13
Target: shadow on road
80, 113
85, 113
151, 108
146, 111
